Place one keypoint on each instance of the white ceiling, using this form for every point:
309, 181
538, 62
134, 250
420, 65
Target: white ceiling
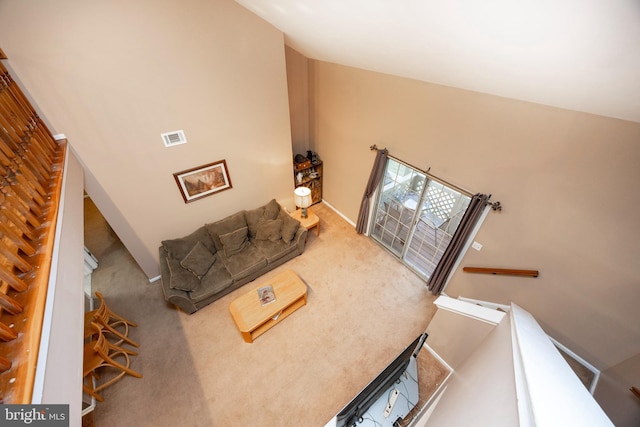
581, 55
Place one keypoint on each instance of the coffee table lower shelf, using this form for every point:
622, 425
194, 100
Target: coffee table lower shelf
249, 336
254, 319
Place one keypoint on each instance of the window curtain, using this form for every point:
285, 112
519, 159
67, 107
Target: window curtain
374, 178
438, 279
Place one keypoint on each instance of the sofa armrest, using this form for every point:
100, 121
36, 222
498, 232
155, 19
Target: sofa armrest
300, 239
174, 296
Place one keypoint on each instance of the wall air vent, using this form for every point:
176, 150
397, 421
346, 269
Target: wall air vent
174, 138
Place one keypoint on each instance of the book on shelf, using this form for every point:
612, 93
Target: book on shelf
266, 295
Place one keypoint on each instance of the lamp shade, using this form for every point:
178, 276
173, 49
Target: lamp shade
302, 196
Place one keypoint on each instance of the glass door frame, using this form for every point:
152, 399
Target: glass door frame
405, 197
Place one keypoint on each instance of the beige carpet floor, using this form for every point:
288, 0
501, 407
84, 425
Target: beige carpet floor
363, 308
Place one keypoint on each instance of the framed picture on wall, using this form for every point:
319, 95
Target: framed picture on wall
202, 181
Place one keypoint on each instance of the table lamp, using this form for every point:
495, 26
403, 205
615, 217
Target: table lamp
302, 197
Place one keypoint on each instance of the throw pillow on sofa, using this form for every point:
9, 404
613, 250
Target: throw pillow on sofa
181, 278
271, 210
269, 229
225, 226
289, 227
253, 216
234, 242
198, 260
180, 248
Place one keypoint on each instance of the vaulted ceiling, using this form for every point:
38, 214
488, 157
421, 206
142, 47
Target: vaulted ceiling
580, 55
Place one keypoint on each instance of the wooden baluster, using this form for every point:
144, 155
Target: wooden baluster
5, 364
27, 154
10, 305
21, 186
26, 198
12, 280
15, 259
9, 214
27, 165
16, 238
20, 208
10, 150
23, 129
37, 151
14, 89
38, 184
20, 180
6, 333
25, 120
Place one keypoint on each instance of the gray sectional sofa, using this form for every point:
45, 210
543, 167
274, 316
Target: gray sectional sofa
219, 257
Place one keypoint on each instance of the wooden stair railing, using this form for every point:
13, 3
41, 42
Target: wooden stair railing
30, 187
502, 271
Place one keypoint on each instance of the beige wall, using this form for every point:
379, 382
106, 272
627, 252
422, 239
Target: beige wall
614, 395
113, 76
482, 391
298, 84
454, 336
568, 182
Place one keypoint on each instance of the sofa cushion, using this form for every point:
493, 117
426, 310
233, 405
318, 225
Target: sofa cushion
253, 216
234, 242
244, 263
216, 279
290, 226
181, 278
224, 226
271, 210
198, 260
180, 248
269, 229
273, 251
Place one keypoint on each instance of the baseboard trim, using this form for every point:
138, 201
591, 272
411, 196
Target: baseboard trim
339, 213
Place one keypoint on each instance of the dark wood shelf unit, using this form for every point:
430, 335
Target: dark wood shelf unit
311, 178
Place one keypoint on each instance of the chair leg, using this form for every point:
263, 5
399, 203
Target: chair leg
91, 390
108, 383
125, 368
92, 393
122, 319
116, 349
122, 337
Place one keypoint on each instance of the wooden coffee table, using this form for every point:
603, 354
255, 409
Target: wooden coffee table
254, 319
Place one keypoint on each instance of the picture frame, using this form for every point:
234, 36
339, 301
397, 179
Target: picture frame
203, 181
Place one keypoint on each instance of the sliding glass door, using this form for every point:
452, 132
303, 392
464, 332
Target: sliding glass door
415, 217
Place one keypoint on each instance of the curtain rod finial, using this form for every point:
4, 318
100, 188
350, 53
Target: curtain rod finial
373, 147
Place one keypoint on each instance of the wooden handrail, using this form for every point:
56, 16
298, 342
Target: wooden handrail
30, 189
501, 271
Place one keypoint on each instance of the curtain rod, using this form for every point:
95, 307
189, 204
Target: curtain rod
496, 206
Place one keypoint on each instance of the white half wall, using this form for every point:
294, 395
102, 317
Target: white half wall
59, 372
514, 377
